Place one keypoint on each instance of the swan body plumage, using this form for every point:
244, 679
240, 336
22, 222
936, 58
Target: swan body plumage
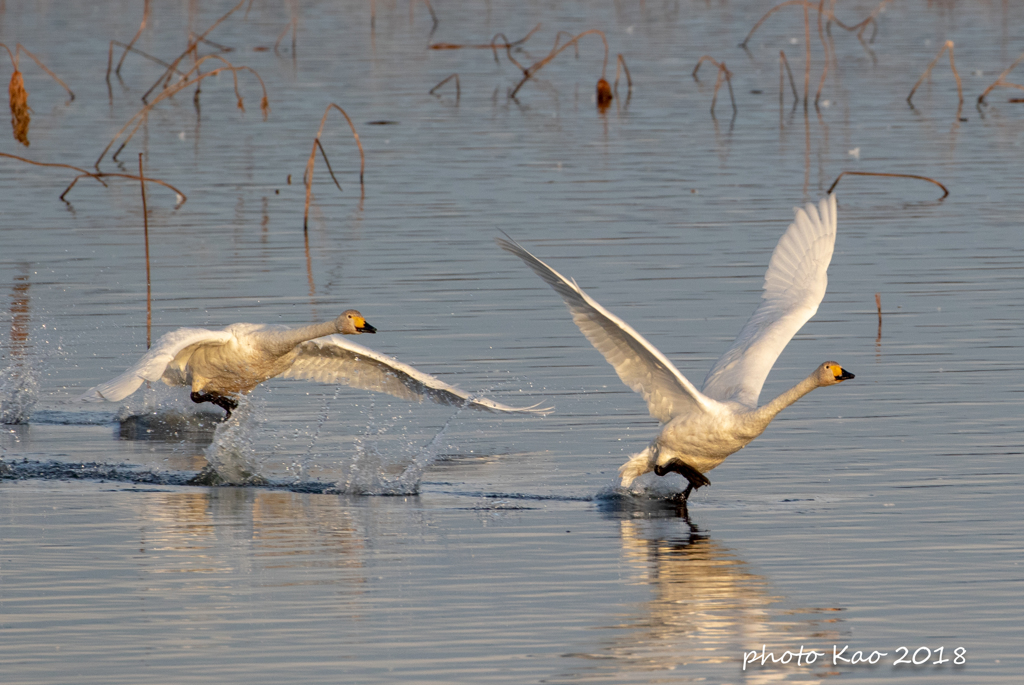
700, 428
220, 365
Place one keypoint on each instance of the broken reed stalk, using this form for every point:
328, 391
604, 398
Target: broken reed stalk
149, 282
783, 62
139, 118
293, 25
948, 45
860, 27
97, 176
807, 59
824, 48
945, 191
127, 48
191, 46
537, 66
620, 60
788, 3
722, 72
430, 9
878, 303
1001, 81
508, 51
484, 46
311, 163
458, 89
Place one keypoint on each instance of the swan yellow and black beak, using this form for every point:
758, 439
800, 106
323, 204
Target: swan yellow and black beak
363, 327
842, 374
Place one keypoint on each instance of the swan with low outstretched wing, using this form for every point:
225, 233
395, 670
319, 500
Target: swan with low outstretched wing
700, 428
220, 365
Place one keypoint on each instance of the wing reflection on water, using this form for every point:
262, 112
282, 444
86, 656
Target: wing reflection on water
707, 607
248, 530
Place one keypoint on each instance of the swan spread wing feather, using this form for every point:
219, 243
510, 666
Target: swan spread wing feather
332, 359
794, 286
157, 364
640, 365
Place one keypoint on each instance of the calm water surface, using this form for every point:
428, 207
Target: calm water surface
880, 514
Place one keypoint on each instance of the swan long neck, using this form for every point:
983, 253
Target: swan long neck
764, 415
279, 343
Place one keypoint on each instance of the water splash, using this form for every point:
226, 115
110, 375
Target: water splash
19, 391
232, 456
374, 472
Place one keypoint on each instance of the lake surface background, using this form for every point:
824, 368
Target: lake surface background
879, 514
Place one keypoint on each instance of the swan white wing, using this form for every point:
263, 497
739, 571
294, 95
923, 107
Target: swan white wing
638, 363
332, 359
794, 286
156, 364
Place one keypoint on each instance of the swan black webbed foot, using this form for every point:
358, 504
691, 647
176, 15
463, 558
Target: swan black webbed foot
225, 403
695, 478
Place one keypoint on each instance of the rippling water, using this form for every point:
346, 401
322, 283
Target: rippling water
879, 514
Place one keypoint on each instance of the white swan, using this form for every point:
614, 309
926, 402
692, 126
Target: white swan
700, 428
220, 365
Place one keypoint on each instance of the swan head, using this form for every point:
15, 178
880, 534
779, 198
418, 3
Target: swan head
352, 322
831, 373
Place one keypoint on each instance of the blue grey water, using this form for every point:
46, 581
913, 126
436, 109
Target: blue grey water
413, 543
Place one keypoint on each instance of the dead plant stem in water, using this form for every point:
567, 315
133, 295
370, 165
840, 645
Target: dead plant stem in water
948, 45
149, 281
945, 191
311, 163
537, 66
186, 80
723, 74
166, 76
458, 89
1001, 82
98, 177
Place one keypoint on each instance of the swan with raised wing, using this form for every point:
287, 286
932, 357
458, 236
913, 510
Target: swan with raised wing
700, 428
221, 365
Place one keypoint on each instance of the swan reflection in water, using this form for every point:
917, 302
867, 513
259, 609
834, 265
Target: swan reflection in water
707, 607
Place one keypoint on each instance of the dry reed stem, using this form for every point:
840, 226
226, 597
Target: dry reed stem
807, 60
129, 48
948, 45
311, 163
484, 46
804, 3
537, 66
430, 9
81, 171
508, 51
620, 60
458, 89
149, 282
824, 48
945, 191
142, 27
860, 27
16, 60
139, 118
293, 25
1001, 81
97, 176
180, 196
722, 72
783, 62
878, 303
192, 46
